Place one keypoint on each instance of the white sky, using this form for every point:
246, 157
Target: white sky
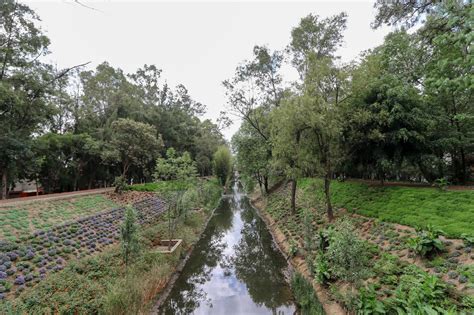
198, 44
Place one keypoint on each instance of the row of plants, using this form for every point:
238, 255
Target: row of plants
18, 220
33, 257
359, 273
123, 279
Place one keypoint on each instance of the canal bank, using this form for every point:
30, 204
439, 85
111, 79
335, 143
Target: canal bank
235, 268
297, 263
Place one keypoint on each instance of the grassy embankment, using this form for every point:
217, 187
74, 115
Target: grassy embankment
102, 284
450, 211
367, 265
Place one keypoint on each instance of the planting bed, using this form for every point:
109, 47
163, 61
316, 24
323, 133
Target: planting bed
26, 262
20, 220
393, 268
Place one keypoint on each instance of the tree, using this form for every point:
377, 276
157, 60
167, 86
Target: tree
222, 164
130, 244
254, 91
132, 144
24, 80
316, 36
252, 155
175, 167
290, 153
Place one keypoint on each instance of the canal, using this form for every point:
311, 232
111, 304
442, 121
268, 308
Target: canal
235, 267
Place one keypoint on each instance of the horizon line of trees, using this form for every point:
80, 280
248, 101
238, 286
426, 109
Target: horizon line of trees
403, 111
71, 129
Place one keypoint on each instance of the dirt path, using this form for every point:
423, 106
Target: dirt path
49, 197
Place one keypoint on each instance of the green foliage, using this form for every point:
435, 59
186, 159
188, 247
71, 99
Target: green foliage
406, 205
293, 250
420, 293
305, 296
223, 164
130, 243
441, 183
120, 184
369, 303
175, 167
133, 144
427, 242
321, 269
347, 255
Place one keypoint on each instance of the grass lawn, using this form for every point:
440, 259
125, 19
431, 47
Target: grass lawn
21, 219
451, 211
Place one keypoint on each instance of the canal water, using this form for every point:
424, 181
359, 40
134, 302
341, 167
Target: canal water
235, 267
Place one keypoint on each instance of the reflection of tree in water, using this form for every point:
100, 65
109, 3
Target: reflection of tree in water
258, 265
186, 295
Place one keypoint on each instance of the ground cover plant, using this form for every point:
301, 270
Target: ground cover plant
85, 265
19, 220
450, 211
370, 266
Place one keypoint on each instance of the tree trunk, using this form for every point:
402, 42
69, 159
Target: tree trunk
265, 184
327, 193
293, 196
463, 178
4, 184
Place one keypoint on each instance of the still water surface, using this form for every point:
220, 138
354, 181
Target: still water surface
234, 268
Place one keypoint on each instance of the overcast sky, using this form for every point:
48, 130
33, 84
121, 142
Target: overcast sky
198, 44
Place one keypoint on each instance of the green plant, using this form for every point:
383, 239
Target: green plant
346, 253
293, 249
129, 235
368, 303
468, 240
420, 293
305, 296
441, 183
120, 184
427, 242
308, 229
321, 269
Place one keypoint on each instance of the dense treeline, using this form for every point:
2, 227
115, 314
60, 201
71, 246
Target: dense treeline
74, 128
402, 111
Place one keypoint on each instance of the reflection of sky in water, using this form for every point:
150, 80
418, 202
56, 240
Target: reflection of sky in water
224, 293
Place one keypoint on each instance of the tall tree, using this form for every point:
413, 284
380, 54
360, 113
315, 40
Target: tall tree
132, 144
24, 80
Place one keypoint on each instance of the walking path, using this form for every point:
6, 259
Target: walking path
49, 197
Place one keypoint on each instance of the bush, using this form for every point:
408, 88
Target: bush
129, 235
441, 183
305, 296
427, 242
346, 254
321, 269
120, 184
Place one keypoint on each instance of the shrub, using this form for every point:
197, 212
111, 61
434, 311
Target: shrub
346, 254
305, 296
427, 242
129, 235
321, 269
120, 184
441, 183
